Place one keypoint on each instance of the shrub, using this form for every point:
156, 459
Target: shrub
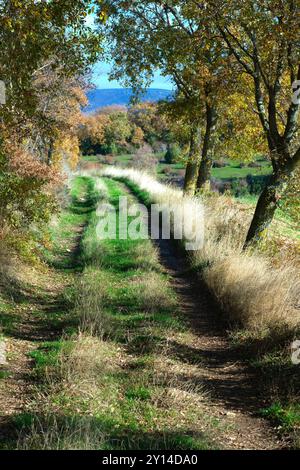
239, 187
145, 160
254, 165
173, 153
167, 170
256, 183
219, 164
108, 160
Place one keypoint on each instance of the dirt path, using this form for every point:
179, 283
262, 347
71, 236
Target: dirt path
231, 384
35, 325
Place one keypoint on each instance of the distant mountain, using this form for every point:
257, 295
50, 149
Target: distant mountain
121, 96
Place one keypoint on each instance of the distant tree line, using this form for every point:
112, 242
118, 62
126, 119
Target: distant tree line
116, 130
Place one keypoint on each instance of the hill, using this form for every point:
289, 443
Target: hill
121, 96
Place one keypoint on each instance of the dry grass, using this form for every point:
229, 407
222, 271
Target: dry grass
91, 293
254, 293
89, 359
91, 378
79, 380
145, 256
57, 433
153, 293
5, 269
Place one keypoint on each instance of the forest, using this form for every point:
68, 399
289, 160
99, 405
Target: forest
113, 335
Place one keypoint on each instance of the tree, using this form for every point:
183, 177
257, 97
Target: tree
240, 133
45, 48
118, 130
172, 154
54, 128
148, 118
263, 39
185, 122
107, 131
163, 35
137, 137
38, 35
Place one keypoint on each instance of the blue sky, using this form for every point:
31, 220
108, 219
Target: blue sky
102, 70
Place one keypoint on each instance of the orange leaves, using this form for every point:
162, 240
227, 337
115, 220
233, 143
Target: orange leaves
94, 128
137, 136
24, 165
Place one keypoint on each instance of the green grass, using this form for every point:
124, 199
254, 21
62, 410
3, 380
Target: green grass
83, 198
138, 393
287, 227
4, 374
47, 355
123, 158
287, 416
233, 170
90, 158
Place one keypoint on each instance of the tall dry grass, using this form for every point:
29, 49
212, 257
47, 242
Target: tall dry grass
254, 293
91, 295
186, 214
152, 292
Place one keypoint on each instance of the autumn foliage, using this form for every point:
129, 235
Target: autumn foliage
116, 129
46, 50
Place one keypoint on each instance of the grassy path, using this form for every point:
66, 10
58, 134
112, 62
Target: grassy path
34, 311
222, 370
120, 362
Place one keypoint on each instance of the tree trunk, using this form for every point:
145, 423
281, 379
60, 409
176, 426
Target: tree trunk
203, 181
50, 152
264, 212
270, 197
192, 168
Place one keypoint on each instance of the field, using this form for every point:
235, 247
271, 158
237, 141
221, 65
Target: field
232, 170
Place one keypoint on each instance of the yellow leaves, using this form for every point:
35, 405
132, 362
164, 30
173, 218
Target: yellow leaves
94, 128
16, 3
103, 16
138, 136
242, 133
7, 23
66, 150
80, 96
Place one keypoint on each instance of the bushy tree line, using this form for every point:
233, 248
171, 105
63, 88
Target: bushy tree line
117, 129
